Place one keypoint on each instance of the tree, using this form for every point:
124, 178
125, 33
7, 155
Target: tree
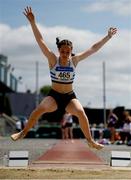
45, 90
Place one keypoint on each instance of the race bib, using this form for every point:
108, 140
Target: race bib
64, 73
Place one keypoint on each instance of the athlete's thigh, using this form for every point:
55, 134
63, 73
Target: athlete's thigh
74, 107
48, 104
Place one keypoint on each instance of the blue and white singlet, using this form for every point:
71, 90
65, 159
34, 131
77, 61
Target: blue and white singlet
63, 74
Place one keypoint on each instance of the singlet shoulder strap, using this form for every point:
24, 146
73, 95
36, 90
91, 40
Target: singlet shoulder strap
72, 64
56, 64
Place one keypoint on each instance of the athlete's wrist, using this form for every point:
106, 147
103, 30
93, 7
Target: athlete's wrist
109, 36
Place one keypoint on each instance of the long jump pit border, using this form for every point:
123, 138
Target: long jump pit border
70, 154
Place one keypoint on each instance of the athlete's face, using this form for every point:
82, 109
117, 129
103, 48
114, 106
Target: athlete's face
65, 52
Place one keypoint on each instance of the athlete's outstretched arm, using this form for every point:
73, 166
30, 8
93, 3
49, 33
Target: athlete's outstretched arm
96, 46
46, 51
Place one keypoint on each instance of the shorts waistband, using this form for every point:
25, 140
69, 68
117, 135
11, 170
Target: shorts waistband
70, 92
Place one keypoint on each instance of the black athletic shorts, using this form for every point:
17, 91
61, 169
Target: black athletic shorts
68, 124
62, 100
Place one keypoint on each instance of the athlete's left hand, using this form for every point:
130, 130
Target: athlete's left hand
112, 31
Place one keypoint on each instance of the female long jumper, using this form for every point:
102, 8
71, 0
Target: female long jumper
62, 72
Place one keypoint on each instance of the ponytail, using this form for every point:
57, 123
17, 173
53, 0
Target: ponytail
57, 41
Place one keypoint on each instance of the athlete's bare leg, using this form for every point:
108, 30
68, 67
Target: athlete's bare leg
76, 109
47, 105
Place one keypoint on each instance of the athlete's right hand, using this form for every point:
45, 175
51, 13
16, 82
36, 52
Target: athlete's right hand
29, 14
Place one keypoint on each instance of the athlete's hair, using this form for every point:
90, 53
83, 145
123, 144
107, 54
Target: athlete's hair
59, 43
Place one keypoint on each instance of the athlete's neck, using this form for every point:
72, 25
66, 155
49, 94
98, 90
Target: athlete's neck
63, 62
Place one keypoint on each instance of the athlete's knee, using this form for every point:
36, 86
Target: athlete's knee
39, 110
80, 112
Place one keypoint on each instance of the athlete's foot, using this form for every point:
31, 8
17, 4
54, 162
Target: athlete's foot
66, 142
93, 144
18, 136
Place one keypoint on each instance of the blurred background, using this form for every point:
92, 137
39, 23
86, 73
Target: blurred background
103, 81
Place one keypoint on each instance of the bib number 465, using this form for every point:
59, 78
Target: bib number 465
64, 75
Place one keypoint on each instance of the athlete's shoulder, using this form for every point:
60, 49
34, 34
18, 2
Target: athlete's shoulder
74, 60
53, 61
